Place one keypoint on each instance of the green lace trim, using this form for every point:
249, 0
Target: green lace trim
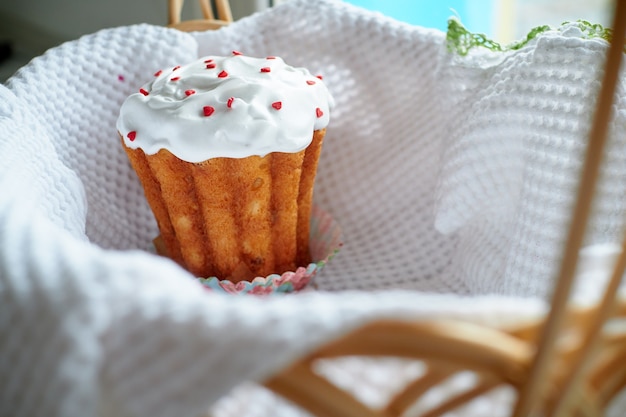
461, 40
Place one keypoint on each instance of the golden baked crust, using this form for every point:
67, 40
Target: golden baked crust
232, 218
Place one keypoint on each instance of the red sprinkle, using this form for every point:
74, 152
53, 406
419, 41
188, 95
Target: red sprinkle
270, 57
120, 77
190, 92
159, 72
266, 69
175, 79
210, 66
132, 135
237, 53
277, 105
144, 92
310, 82
319, 112
229, 103
208, 110
206, 61
176, 67
223, 74
320, 77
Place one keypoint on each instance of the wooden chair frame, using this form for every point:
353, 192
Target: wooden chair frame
209, 22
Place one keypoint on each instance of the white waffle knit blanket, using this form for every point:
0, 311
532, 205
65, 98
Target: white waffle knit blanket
451, 177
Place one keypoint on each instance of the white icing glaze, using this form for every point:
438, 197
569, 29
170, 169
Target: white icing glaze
173, 113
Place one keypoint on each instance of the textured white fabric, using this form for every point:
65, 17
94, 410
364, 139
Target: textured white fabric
451, 177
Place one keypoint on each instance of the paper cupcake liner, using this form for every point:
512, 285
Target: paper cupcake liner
325, 242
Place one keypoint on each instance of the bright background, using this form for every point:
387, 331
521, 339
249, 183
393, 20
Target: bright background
29, 27
501, 20
479, 14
